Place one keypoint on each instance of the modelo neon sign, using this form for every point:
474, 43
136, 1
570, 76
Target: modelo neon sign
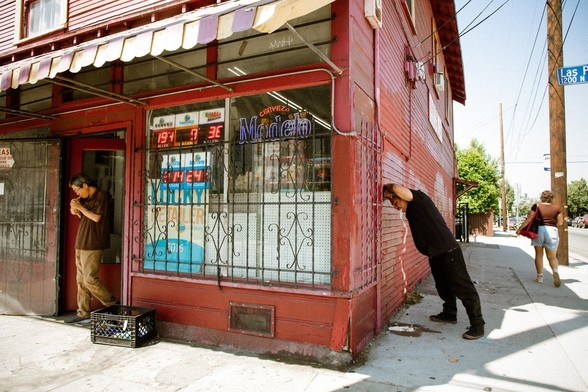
254, 129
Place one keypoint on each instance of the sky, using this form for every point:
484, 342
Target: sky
505, 63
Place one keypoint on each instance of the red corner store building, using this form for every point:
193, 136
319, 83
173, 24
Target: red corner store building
244, 145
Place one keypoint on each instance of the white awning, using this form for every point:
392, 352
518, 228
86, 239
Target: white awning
182, 31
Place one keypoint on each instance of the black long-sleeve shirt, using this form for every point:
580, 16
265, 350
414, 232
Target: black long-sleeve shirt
430, 232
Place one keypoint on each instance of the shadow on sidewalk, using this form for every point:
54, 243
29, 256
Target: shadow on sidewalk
524, 325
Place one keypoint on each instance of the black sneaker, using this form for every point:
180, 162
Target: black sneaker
444, 318
474, 332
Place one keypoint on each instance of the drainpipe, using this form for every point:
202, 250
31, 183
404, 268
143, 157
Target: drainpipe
377, 132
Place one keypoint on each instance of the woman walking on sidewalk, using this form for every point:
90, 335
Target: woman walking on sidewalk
550, 216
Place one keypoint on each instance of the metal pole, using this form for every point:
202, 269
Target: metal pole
503, 181
557, 124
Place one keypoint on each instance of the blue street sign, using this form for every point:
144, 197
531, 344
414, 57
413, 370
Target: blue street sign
572, 75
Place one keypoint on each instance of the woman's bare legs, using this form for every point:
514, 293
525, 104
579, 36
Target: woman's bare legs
539, 263
553, 263
539, 259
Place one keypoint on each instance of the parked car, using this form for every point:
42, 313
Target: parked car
583, 222
576, 221
515, 221
512, 222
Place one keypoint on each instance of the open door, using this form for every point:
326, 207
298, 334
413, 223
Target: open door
30, 179
102, 159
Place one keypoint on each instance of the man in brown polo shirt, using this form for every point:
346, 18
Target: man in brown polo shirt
93, 236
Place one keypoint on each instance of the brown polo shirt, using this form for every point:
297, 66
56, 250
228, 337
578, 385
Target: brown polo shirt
94, 235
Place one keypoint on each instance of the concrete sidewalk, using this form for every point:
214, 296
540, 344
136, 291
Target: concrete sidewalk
536, 340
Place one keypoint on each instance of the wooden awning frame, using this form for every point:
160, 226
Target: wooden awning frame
469, 185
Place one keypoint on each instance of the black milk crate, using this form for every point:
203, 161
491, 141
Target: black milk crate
127, 326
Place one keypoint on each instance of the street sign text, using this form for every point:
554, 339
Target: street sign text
572, 75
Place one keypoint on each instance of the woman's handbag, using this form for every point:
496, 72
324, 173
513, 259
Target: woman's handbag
531, 230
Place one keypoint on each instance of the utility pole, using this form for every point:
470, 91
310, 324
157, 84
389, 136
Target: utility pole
503, 181
518, 198
557, 121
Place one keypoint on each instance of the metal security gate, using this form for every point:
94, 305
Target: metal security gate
371, 212
462, 227
29, 226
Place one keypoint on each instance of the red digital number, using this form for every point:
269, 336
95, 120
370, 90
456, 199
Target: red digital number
165, 137
214, 132
177, 176
196, 176
172, 176
194, 135
187, 176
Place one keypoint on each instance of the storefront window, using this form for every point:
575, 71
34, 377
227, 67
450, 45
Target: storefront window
239, 189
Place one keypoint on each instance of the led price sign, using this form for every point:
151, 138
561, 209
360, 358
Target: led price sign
185, 178
188, 176
204, 134
165, 137
213, 132
185, 171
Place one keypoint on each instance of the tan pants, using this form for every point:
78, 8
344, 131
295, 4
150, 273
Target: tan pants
88, 266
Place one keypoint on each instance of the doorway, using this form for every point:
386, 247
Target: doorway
29, 226
102, 159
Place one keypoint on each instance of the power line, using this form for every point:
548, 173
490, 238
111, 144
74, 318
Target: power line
528, 128
535, 91
521, 137
443, 25
483, 20
429, 58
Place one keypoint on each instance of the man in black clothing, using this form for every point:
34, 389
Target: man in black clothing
433, 238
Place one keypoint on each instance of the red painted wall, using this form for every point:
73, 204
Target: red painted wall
207, 306
413, 154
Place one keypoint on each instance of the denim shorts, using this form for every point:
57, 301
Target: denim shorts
548, 237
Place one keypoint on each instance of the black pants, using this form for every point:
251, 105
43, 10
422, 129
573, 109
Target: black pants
453, 281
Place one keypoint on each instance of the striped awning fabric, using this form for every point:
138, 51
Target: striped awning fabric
182, 31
